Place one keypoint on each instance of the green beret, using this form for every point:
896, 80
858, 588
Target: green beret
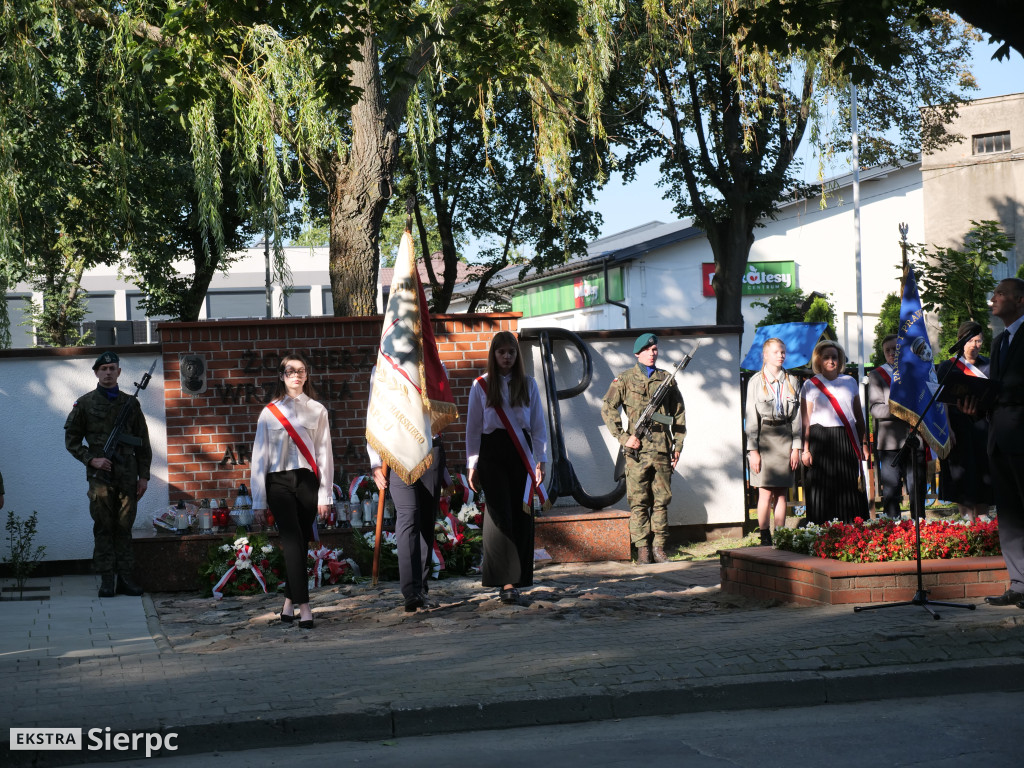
643, 341
106, 359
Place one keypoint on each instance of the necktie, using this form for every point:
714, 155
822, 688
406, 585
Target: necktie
778, 397
1004, 351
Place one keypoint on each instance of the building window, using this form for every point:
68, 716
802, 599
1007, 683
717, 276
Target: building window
990, 143
296, 303
17, 306
326, 301
144, 330
221, 305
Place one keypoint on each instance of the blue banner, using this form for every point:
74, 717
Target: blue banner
799, 339
913, 378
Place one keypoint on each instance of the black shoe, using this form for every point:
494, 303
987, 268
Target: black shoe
412, 603
1009, 597
287, 618
306, 624
126, 586
510, 596
108, 585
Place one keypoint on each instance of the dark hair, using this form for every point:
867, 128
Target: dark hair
1018, 286
280, 390
518, 391
890, 337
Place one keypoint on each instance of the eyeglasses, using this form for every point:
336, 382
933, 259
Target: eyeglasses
300, 372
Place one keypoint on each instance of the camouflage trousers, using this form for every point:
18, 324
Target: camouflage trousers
113, 515
649, 490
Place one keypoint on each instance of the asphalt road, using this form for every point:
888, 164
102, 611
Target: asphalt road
939, 732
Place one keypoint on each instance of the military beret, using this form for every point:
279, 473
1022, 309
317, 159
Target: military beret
106, 359
643, 341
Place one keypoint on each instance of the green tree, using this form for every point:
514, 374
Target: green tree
888, 322
821, 310
323, 89
486, 184
783, 308
857, 27
956, 282
725, 117
83, 194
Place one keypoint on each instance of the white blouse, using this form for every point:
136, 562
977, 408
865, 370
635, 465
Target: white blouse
483, 420
275, 451
820, 410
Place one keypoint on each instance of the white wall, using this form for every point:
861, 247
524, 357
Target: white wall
707, 486
39, 474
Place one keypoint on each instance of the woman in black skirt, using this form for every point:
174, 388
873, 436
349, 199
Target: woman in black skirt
506, 443
292, 474
834, 439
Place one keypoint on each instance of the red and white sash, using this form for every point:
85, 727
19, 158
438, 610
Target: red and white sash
967, 368
885, 371
304, 448
515, 431
845, 418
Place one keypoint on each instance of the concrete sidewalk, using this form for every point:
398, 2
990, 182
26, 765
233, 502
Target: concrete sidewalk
598, 641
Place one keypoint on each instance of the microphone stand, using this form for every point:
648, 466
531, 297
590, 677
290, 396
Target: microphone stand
912, 446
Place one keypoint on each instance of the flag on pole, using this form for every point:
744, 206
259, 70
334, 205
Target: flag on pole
411, 399
913, 377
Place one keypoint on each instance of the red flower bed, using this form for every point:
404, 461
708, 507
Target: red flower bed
885, 540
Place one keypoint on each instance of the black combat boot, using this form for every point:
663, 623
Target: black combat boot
127, 586
766, 537
643, 554
659, 554
107, 585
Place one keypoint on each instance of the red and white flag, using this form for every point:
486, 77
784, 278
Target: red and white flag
411, 399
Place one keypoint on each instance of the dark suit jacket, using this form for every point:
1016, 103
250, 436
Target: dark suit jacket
1006, 424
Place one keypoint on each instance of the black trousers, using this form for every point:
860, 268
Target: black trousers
415, 514
292, 496
508, 530
893, 478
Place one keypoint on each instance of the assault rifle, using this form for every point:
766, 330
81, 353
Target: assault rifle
116, 437
649, 415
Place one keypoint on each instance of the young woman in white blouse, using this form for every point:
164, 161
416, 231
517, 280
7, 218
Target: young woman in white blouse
834, 438
506, 454
292, 474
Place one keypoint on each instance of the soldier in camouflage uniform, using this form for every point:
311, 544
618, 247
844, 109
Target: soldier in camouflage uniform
114, 487
649, 480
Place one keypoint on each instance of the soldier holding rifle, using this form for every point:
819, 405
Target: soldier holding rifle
651, 456
118, 474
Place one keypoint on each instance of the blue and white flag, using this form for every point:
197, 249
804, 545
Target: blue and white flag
913, 377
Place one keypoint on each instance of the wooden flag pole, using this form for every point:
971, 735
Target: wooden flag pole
380, 525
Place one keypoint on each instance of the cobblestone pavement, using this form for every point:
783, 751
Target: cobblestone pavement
595, 641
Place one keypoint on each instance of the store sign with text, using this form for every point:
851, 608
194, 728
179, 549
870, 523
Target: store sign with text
760, 278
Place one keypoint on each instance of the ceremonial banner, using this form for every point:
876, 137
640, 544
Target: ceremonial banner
411, 399
913, 377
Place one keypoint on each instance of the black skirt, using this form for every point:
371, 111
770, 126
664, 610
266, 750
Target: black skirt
507, 529
832, 482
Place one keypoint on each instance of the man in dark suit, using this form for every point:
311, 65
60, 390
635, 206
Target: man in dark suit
1006, 434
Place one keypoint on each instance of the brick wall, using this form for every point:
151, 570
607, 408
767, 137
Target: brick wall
210, 435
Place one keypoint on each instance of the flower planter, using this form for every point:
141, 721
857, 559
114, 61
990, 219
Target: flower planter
766, 573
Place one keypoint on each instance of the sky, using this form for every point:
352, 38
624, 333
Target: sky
625, 206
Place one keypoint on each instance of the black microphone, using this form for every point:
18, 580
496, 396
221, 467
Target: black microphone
972, 330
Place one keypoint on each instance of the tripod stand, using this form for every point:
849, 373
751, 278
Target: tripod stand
912, 446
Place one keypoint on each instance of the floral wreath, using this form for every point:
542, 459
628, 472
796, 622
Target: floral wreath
243, 567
